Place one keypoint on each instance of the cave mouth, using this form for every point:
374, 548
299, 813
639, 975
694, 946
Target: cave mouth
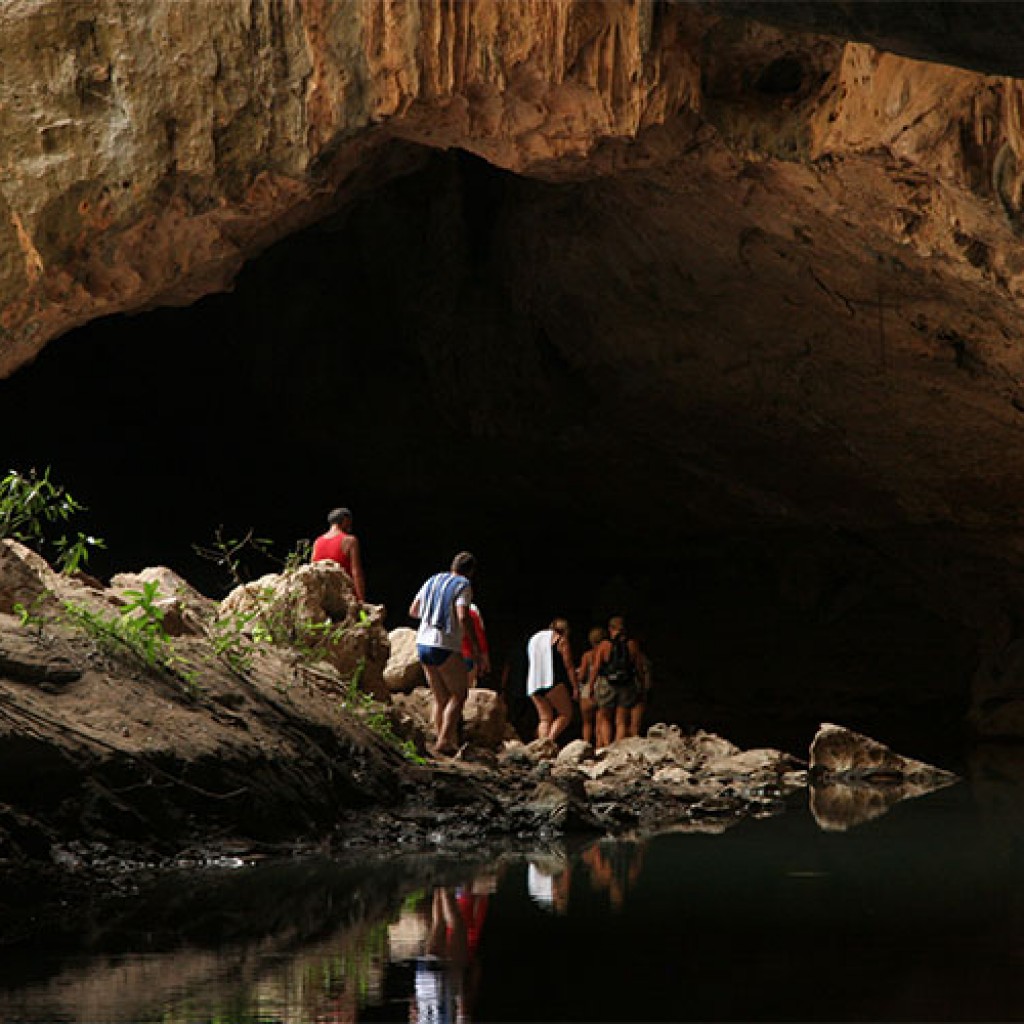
429, 357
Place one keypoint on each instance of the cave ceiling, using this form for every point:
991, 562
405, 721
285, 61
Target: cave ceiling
743, 275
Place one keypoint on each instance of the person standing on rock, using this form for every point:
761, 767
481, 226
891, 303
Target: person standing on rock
551, 679
616, 683
586, 673
442, 606
339, 545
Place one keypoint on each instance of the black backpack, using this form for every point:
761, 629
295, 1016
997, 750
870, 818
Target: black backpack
619, 669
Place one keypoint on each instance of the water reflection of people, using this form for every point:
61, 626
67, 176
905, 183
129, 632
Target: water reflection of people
448, 970
614, 866
547, 881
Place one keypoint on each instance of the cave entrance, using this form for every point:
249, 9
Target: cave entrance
465, 358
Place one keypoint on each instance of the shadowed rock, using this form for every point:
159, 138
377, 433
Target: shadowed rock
855, 778
842, 755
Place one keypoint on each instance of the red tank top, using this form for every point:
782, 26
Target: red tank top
328, 547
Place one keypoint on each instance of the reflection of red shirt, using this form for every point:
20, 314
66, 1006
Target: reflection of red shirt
473, 910
476, 623
329, 548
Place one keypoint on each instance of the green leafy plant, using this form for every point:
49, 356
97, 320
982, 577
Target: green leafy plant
375, 716
33, 507
28, 615
139, 628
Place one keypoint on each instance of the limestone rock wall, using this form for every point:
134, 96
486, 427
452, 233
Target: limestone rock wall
149, 149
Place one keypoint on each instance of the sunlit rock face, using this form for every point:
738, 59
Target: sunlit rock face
720, 279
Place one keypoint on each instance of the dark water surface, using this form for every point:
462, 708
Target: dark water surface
917, 914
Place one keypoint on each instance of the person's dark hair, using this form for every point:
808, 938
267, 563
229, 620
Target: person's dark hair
464, 563
338, 515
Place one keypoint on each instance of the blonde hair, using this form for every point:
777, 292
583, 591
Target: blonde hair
560, 626
597, 634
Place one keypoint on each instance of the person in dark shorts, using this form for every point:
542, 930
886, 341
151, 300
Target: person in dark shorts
442, 606
551, 682
616, 683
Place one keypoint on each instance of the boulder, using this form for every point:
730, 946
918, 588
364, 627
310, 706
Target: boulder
25, 578
484, 719
403, 672
553, 807
575, 753
315, 609
484, 723
748, 764
186, 611
842, 755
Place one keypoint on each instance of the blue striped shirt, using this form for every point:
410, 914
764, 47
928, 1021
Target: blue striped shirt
437, 599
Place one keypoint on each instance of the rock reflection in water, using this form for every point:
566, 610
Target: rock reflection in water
839, 806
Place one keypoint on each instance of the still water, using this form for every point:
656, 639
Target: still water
913, 914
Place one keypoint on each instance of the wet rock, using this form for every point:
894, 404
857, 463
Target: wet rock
839, 754
403, 672
552, 808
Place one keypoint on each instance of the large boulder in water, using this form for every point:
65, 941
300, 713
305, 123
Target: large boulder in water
315, 609
842, 755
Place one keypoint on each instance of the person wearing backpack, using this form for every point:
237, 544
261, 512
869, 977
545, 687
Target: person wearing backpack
616, 682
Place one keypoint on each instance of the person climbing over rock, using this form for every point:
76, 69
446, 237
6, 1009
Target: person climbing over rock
482, 667
551, 679
339, 545
586, 674
442, 606
616, 683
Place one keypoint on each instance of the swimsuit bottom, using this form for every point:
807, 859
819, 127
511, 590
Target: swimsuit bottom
432, 656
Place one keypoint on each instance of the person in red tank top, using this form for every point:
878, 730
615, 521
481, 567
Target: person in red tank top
338, 545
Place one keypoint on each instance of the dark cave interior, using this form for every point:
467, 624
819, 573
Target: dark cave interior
410, 358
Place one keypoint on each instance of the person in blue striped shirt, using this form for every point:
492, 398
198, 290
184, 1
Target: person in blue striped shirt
442, 605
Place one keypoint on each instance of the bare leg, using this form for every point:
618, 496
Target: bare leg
605, 726
621, 723
453, 676
562, 703
636, 719
588, 710
440, 693
545, 715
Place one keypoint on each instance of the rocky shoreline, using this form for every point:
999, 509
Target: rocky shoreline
221, 741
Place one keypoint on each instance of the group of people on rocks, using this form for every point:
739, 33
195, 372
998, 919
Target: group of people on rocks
610, 683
